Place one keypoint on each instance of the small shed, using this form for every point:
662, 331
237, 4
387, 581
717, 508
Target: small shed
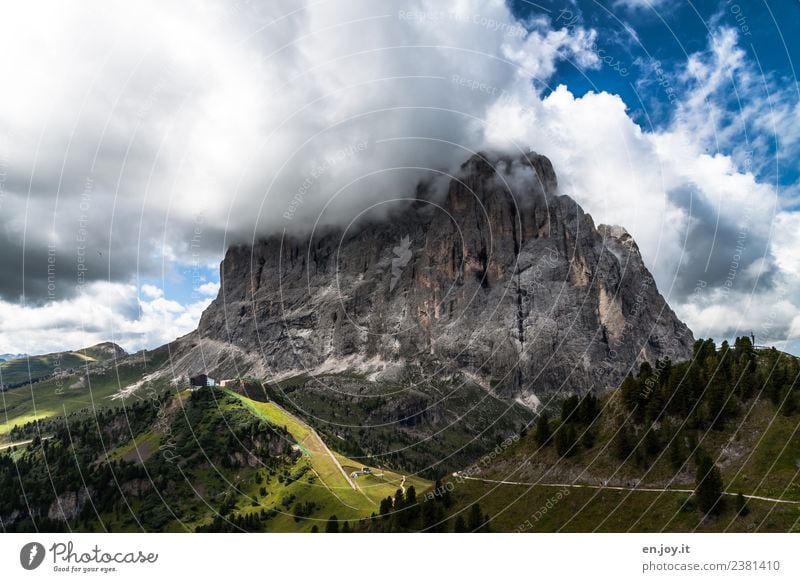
201, 381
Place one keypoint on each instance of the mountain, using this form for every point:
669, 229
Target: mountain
421, 340
28, 369
502, 282
488, 336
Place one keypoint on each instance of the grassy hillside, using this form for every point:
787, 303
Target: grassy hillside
413, 424
514, 508
707, 445
209, 460
19, 372
86, 389
530, 487
712, 444
357, 497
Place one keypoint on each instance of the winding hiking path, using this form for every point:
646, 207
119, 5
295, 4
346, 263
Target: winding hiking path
616, 488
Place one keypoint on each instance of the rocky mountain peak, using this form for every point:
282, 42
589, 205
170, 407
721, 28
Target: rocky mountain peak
618, 237
505, 282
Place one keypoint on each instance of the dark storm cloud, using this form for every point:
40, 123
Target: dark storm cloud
148, 123
91, 236
722, 249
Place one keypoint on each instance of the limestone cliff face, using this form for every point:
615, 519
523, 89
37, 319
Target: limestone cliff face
503, 281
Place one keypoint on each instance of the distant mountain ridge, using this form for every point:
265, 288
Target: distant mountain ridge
26, 369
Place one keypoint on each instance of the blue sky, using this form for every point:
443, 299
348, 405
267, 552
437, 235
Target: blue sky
184, 283
634, 38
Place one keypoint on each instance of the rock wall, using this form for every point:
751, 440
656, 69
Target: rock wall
502, 279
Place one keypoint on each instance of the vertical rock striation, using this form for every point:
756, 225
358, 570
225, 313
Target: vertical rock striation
503, 280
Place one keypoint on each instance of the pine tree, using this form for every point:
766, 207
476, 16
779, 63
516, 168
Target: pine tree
708, 486
386, 507
569, 408
411, 507
432, 514
333, 525
542, 434
447, 499
400, 516
565, 440
629, 390
789, 406
742, 509
725, 362
475, 518
675, 453
588, 409
399, 500
652, 445
716, 405
623, 443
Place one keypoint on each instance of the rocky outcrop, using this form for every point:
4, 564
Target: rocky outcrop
68, 506
261, 449
503, 280
104, 351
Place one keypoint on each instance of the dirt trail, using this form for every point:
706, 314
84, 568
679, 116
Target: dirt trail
619, 488
323, 448
19, 443
312, 442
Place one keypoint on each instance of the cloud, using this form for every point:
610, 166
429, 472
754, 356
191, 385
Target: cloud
693, 193
141, 139
151, 291
101, 311
730, 105
128, 125
210, 289
640, 4
771, 315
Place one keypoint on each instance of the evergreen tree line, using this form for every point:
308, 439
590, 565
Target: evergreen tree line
708, 390
575, 429
669, 407
208, 429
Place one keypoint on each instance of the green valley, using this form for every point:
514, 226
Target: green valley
22, 371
